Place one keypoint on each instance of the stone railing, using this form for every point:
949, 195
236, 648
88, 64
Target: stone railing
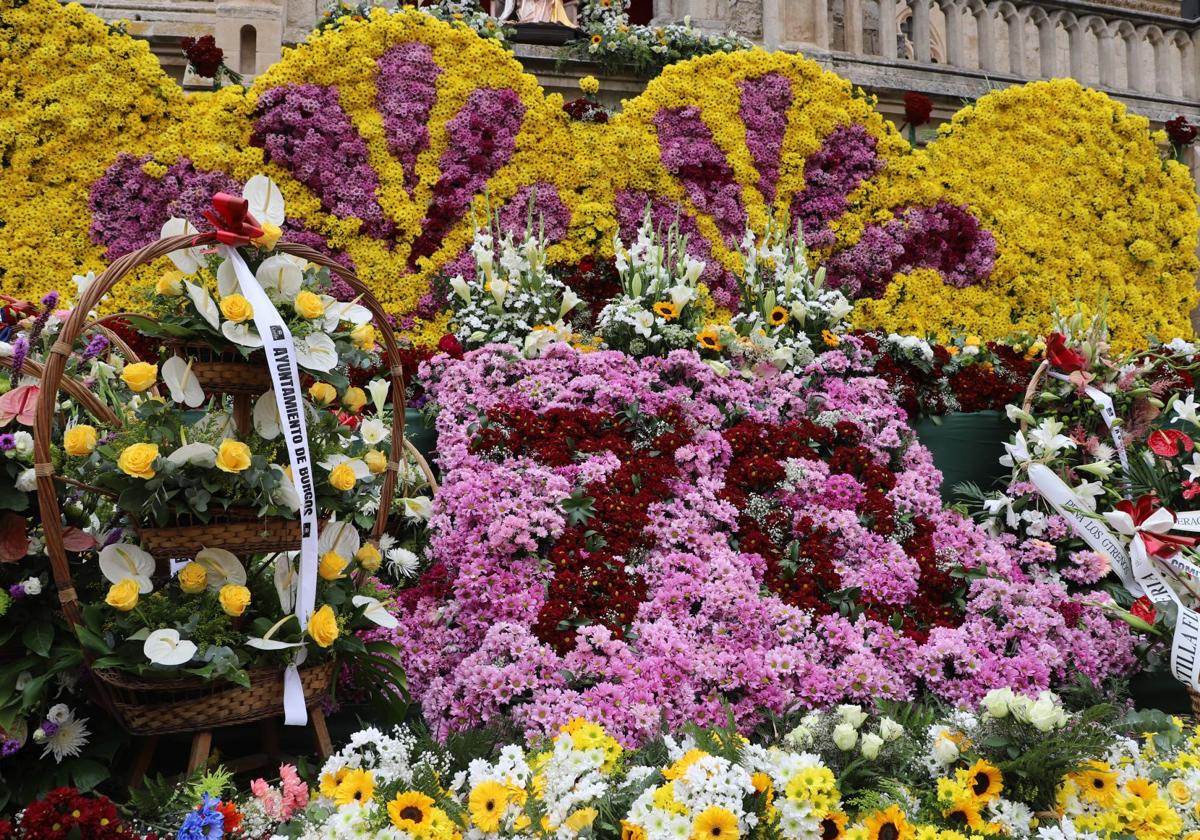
1139, 55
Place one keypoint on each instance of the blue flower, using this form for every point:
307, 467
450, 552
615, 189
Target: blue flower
204, 823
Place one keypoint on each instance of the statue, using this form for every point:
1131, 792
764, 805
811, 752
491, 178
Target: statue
539, 11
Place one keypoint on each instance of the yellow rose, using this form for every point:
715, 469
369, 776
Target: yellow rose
236, 308
193, 578
138, 459
342, 477
140, 375
354, 399
323, 392
376, 461
234, 599
323, 627
308, 305
170, 284
80, 440
331, 566
271, 234
363, 337
1179, 791
233, 456
369, 557
123, 596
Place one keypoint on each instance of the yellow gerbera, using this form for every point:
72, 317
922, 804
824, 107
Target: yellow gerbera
680, 767
666, 310
330, 782
888, 824
715, 823
1142, 789
410, 811
1097, 783
486, 804
357, 786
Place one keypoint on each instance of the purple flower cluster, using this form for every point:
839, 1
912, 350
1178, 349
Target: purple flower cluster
407, 90
548, 212
846, 158
129, 206
95, 346
8, 442
483, 137
9, 747
764, 105
708, 632
945, 237
305, 129
688, 152
20, 352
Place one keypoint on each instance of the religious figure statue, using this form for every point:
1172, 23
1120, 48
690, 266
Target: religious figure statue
544, 11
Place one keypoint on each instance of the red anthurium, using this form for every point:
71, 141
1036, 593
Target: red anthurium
1063, 357
1167, 443
1143, 608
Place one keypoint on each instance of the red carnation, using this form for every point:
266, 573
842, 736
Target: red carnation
203, 54
1142, 608
1181, 132
1168, 443
1062, 357
917, 108
451, 346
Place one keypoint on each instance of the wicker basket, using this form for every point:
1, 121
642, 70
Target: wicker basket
224, 371
146, 707
238, 530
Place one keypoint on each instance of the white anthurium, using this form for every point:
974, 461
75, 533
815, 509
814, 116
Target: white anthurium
227, 281
271, 644
340, 537
643, 322
196, 454
350, 311
569, 301
285, 494
123, 560
375, 612
187, 260
317, 352
222, 566
373, 431
418, 507
244, 334
205, 305
265, 200
378, 389
182, 382
285, 581
461, 288
266, 416
165, 647
216, 424
280, 276
499, 290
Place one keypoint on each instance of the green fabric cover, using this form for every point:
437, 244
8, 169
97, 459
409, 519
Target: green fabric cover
967, 447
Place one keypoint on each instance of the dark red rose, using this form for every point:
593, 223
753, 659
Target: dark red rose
1063, 357
917, 108
203, 54
1143, 608
1181, 132
1168, 443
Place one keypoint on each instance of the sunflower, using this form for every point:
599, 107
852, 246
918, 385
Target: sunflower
888, 824
330, 782
666, 310
830, 339
778, 317
715, 823
1097, 783
833, 827
709, 338
596, 40
984, 780
486, 804
963, 815
410, 811
357, 786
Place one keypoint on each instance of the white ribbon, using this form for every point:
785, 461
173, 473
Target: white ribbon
1148, 576
280, 349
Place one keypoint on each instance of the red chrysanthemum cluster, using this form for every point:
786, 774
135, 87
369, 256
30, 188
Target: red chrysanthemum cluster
1181, 132
203, 54
585, 110
917, 108
65, 812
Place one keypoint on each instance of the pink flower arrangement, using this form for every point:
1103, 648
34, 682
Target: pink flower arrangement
279, 803
640, 540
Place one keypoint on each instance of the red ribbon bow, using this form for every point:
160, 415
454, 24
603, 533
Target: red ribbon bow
1158, 543
231, 217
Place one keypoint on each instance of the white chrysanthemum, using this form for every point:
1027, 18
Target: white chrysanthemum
68, 740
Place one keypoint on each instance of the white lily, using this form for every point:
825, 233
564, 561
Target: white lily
265, 200
461, 288
375, 612
995, 505
499, 290
1018, 452
266, 416
373, 431
205, 305
1193, 469
123, 560
569, 301
643, 323
280, 276
244, 334
196, 454
83, 282
378, 389
1088, 492
222, 566
1048, 438
182, 383
317, 352
536, 343
681, 296
164, 647
1185, 410
187, 260
418, 508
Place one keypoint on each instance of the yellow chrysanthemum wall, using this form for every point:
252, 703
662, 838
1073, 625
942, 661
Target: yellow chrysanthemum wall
71, 93
1081, 202
1071, 191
